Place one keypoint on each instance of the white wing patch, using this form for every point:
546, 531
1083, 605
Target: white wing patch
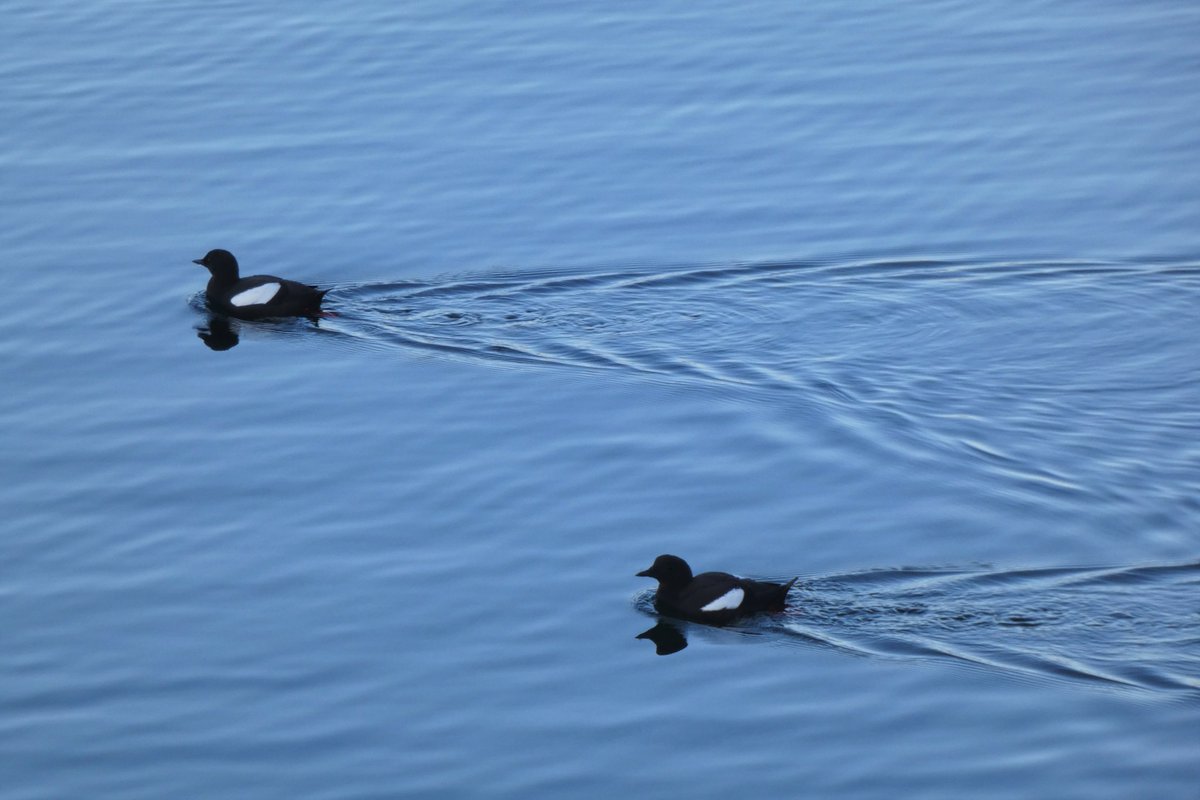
730, 600
256, 296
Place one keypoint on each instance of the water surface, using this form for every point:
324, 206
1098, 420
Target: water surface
900, 300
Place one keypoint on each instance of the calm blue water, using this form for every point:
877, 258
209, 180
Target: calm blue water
900, 298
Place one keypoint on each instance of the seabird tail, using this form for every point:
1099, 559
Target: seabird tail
781, 601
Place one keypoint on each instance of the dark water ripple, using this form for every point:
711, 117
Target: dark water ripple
1122, 627
1056, 378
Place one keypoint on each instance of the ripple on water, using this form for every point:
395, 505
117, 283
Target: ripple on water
1056, 378
1133, 628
